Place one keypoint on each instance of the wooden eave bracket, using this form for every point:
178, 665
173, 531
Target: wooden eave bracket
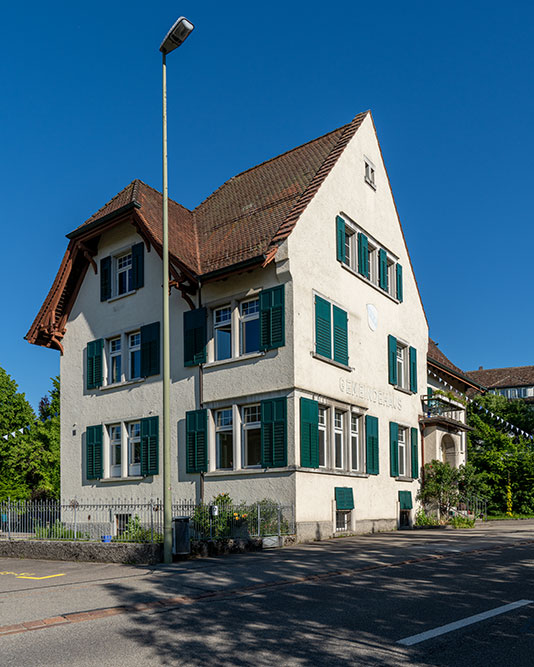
88, 254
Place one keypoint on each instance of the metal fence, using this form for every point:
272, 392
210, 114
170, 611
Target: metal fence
132, 521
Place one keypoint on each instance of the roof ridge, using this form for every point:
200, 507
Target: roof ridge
95, 214
503, 368
161, 195
275, 157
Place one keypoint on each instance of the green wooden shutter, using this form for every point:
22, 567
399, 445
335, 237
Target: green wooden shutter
150, 446
195, 336
383, 269
272, 318
150, 355
363, 255
105, 279
392, 360
340, 236
323, 328
196, 426
415, 453
344, 498
309, 433
138, 265
413, 369
405, 500
93, 450
341, 349
94, 363
399, 282
393, 449
371, 439
274, 433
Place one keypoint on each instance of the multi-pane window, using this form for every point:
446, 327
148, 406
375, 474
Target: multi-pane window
115, 360
224, 438
134, 350
323, 440
115, 443
342, 520
249, 312
356, 463
222, 322
402, 452
124, 273
350, 237
338, 438
372, 263
134, 448
251, 435
401, 365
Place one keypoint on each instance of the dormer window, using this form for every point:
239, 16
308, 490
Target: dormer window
122, 273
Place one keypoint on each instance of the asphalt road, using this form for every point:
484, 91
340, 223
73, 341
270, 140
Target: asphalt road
341, 602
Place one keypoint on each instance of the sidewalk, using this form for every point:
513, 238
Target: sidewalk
95, 590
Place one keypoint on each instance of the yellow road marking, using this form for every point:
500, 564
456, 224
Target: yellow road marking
50, 576
30, 575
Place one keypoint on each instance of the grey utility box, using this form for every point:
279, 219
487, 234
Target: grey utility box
181, 542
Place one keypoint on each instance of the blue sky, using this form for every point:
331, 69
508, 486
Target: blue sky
449, 84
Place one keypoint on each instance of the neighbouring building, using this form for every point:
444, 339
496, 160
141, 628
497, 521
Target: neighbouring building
515, 382
444, 420
298, 343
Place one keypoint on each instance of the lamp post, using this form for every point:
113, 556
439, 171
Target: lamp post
173, 39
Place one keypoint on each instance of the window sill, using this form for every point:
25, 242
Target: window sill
247, 471
120, 296
330, 471
403, 390
119, 385
331, 361
370, 183
404, 479
110, 480
368, 282
231, 360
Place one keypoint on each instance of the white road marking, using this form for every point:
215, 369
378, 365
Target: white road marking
423, 636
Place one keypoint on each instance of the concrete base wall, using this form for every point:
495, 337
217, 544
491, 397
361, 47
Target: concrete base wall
95, 552
309, 531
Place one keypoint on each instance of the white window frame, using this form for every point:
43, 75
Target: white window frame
119, 270
403, 363
220, 325
356, 442
339, 430
248, 426
132, 349
134, 439
224, 428
248, 317
343, 520
370, 173
323, 428
403, 456
113, 354
115, 445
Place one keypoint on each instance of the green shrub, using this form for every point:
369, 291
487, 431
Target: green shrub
460, 521
135, 532
424, 519
58, 531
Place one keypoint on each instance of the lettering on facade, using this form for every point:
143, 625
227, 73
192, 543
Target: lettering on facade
360, 390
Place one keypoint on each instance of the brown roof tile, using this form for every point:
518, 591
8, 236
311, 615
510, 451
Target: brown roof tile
518, 376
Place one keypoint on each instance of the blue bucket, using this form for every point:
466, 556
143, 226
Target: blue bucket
106, 538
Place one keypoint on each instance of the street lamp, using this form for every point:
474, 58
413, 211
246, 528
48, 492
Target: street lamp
173, 39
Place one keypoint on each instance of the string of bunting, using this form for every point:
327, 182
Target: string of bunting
502, 421
27, 428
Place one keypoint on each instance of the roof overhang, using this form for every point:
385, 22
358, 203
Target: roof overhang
455, 375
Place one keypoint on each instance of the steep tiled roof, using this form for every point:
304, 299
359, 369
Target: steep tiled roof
518, 376
434, 354
248, 217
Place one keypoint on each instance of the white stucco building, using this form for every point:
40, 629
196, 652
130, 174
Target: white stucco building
298, 342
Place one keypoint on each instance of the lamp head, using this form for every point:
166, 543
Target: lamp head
176, 35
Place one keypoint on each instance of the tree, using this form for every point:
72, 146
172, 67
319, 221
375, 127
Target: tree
29, 459
499, 454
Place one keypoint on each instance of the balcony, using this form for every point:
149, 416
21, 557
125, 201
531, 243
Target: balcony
440, 411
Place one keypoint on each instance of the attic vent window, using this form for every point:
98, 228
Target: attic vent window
370, 173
